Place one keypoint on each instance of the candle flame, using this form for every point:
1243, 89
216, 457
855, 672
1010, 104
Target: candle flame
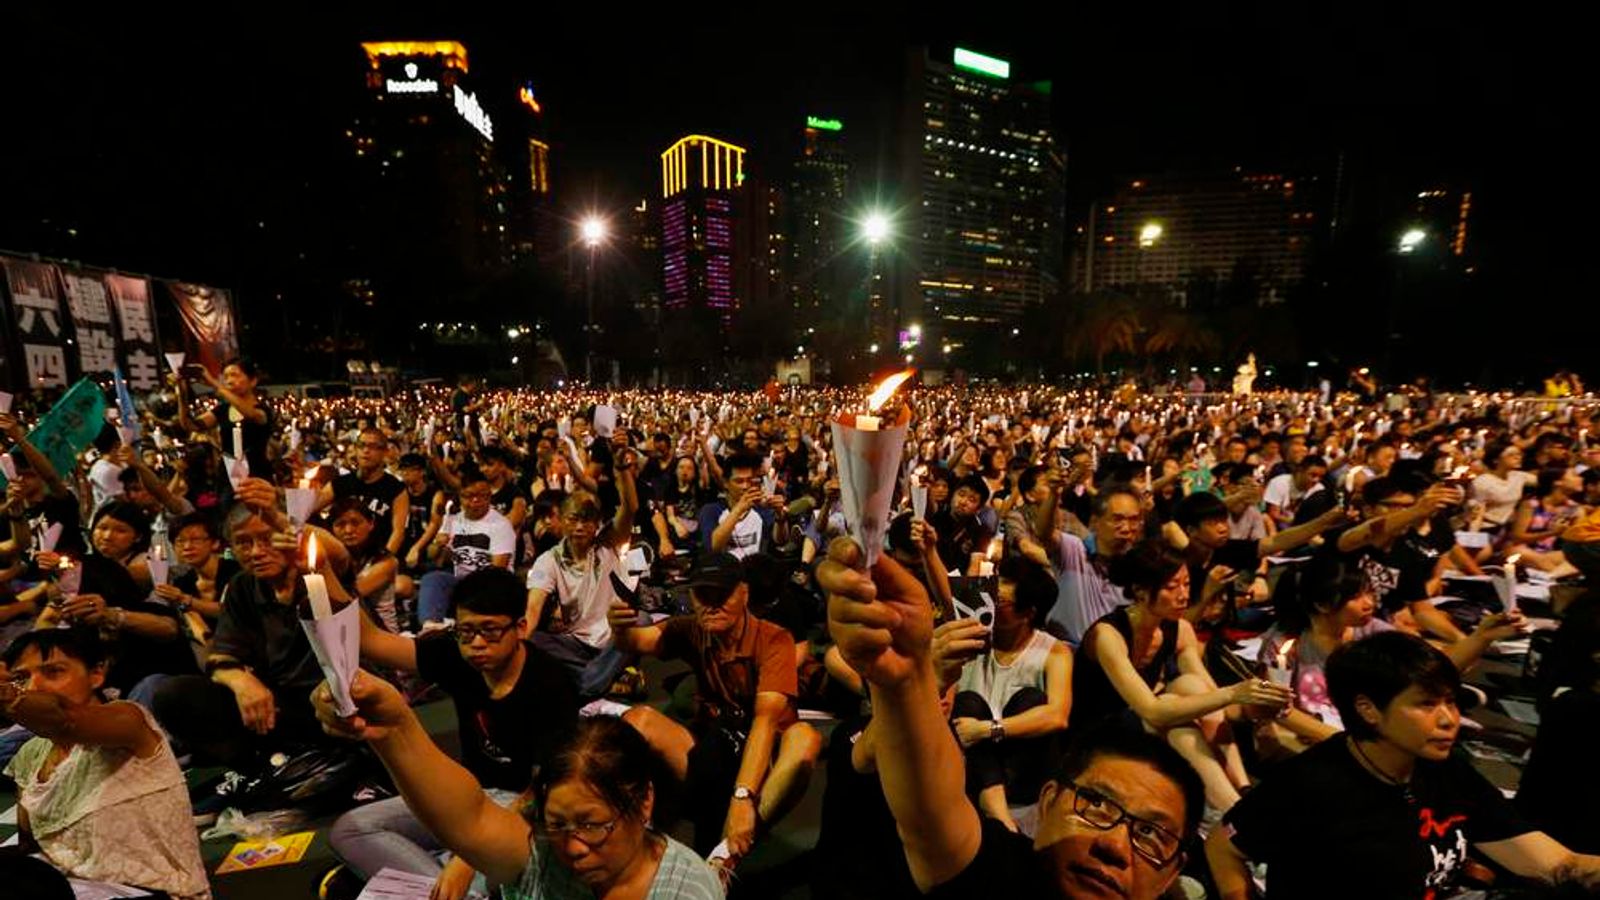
311, 473
311, 553
1513, 558
995, 546
1283, 653
886, 388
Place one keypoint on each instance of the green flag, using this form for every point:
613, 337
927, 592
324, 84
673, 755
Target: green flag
69, 427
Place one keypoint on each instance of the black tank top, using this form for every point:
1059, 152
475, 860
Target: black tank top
1093, 696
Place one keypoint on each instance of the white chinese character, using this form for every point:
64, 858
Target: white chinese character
135, 315
142, 372
30, 306
97, 351
47, 366
87, 297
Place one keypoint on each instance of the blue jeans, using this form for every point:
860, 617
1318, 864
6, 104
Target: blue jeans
369, 838
433, 596
593, 670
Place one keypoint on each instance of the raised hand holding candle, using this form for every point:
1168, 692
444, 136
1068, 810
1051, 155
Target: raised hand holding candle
869, 445
1282, 673
316, 584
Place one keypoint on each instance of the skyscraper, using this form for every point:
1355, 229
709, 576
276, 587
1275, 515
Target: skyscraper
432, 199
700, 178
983, 194
819, 182
1176, 229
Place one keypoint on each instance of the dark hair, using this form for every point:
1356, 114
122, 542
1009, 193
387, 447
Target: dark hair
1036, 589
743, 461
1117, 742
976, 485
1570, 661
413, 461
108, 439
129, 476
246, 365
1102, 500
351, 504
1198, 508
548, 501
1321, 585
129, 514
1380, 489
471, 475
610, 757
1312, 459
1548, 476
1148, 566
1030, 478
582, 505
80, 643
1591, 477
491, 592
196, 520
1380, 668
1491, 456
493, 453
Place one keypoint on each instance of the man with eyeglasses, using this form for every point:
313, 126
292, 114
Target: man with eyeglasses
1397, 564
514, 707
746, 739
748, 520
1114, 817
476, 537
1084, 590
378, 491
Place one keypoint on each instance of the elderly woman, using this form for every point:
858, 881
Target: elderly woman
587, 833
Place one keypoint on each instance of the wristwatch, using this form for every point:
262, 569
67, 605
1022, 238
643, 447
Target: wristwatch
740, 792
997, 731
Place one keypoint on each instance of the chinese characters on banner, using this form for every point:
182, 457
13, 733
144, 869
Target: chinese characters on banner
207, 315
137, 347
96, 341
41, 332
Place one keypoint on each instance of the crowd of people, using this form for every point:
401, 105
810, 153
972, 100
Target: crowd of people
1116, 644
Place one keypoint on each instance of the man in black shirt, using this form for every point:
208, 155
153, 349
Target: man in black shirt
1113, 817
1386, 810
1397, 567
963, 536
40, 498
514, 707
1215, 560
379, 491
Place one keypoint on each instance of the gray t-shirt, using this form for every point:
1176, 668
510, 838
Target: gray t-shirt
681, 876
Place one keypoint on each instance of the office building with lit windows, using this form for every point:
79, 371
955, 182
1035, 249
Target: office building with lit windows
432, 198
983, 197
819, 228
701, 180
1177, 229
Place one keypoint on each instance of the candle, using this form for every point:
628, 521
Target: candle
1281, 673
1511, 582
316, 585
238, 441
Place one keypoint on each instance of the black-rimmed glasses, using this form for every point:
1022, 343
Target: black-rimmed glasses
1153, 842
592, 834
491, 633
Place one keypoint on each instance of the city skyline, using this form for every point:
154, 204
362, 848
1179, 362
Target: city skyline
603, 123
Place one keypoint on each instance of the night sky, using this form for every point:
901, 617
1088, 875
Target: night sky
165, 142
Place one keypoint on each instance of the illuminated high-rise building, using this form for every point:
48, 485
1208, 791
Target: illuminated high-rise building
433, 198
818, 227
983, 197
701, 180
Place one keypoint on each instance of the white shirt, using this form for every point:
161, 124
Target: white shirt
746, 538
1282, 493
1500, 495
583, 588
473, 544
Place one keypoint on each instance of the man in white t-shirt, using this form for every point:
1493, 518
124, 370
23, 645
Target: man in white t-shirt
584, 573
472, 538
1285, 493
105, 475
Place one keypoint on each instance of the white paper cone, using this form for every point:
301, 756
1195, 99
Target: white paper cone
605, 421
983, 613
694, 417
175, 360
238, 471
51, 537
336, 641
5, 402
563, 427
1506, 587
8, 466
869, 463
919, 500
159, 569
70, 579
298, 503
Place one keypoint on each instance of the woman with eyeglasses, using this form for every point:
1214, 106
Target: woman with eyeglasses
586, 833
197, 544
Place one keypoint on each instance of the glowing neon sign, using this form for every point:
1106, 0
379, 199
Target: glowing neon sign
822, 124
977, 62
470, 109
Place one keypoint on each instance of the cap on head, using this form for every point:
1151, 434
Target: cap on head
715, 577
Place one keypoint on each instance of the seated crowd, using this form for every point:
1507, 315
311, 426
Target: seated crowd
1039, 688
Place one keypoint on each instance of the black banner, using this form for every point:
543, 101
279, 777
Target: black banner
138, 347
41, 324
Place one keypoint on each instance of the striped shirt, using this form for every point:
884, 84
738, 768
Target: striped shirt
1083, 593
681, 876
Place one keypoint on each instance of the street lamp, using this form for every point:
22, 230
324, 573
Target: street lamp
1149, 234
593, 230
1411, 239
875, 228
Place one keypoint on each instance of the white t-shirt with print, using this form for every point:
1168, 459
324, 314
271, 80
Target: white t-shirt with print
473, 544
